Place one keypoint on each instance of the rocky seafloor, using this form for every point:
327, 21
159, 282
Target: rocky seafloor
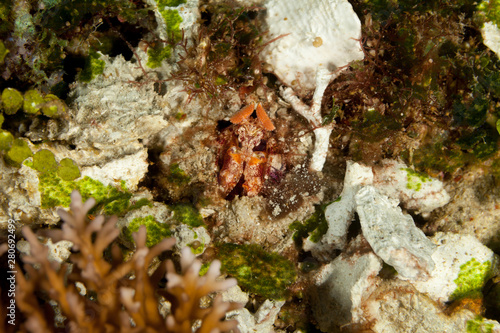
271, 166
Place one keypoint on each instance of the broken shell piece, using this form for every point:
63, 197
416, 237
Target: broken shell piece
323, 33
393, 235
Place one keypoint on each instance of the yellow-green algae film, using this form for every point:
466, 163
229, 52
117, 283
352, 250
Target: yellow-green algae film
415, 179
258, 271
471, 279
156, 231
479, 325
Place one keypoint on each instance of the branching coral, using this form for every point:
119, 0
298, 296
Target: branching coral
119, 296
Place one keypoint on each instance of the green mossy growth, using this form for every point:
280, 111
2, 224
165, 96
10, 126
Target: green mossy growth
204, 268
173, 21
56, 192
18, 152
473, 114
140, 203
375, 126
258, 271
415, 179
156, 231
177, 176
481, 142
44, 161
187, 214
12, 100
33, 101
172, 18
490, 11
6, 139
471, 279
68, 170
437, 158
478, 325
169, 3
3, 51
157, 54
93, 66
314, 227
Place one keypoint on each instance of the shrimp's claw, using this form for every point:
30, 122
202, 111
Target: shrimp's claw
264, 118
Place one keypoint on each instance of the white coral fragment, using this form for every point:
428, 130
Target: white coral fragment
309, 43
452, 253
415, 191
322, 33
393, 235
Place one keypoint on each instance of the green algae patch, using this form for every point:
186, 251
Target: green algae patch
157, 54
173, 21
33, 101
204, 268
415, 179
6, 139
479, 325
94, 66
68, 170
56, 192
18, 152
258, 271
438, 158
471, 279
140, 203
375, 126
314, 227
12, 100
44, 161
169, 3
156, 231
490, 10
187, 214
177, 176
53, 106
3, 51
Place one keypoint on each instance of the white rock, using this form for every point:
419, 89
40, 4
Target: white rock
393, 235
130, 168
324, 33
491, 36
396, 307
341, 287
415, 191
340, 213
262, 321
235, 294
452, 253
185, 236
57, 252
